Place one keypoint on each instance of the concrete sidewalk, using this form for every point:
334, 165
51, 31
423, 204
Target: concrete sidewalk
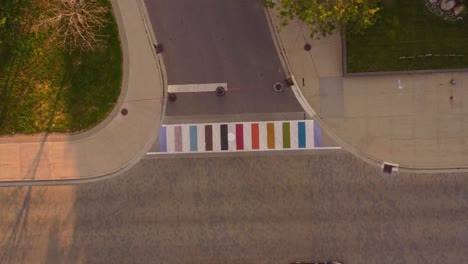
120, 141
408, 119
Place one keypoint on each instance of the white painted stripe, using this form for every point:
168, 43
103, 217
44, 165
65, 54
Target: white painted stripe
294, 138
216, 137
309, 134
232, 130
185, 138
247, 136
262, 131
278, 135
201, 138
194, 88
319, 148
170, 139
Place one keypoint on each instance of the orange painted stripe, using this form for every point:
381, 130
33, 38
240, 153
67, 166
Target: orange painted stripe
271, 135
255, 137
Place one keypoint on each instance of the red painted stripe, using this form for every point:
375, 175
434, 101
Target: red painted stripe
240, 136
255, 137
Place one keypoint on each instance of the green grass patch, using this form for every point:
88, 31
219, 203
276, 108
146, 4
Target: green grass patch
44, 87
407, 29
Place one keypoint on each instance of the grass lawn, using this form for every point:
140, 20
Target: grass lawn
407, 28
44, 87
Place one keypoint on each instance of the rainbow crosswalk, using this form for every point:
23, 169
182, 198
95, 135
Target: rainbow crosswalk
245, 136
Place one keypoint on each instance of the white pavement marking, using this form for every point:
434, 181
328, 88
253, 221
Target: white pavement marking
201, 137
262, 131
278, 135
185, 138
309, 134
170, 139
293, 135
248, 136
232, 146
216, 137
195, 88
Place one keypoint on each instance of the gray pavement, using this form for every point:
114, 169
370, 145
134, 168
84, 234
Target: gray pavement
241, 209
211, 41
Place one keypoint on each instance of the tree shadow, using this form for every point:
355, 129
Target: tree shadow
18, 232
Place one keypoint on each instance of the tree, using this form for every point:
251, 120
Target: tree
324, 16
76, 22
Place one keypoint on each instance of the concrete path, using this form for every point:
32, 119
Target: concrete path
408, 119
116, 144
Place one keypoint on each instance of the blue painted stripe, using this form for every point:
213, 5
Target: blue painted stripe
301, 134
162, 140
193, 138
317, 135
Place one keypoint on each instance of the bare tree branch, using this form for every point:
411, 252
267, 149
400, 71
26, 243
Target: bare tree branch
76, 22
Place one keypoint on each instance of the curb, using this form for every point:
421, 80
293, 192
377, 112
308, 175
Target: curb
140, 154
305, 104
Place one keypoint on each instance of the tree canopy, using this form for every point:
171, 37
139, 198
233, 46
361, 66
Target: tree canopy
324, 16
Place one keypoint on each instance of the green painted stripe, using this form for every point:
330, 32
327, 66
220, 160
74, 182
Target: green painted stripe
286, 135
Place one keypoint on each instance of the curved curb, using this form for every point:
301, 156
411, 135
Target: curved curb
305, 104
139, 154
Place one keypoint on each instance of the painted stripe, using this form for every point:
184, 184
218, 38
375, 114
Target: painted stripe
293, 134
309, 134
216, 137
317, 135
178, 138
278, 135
193, 138
208, 137
270, 135
263, 135
170, 139
224, 137
255, 136
248, 136
201, 137
162, 139
301, 134
231, 136
286, 135
185, 138
239, 136
194, 88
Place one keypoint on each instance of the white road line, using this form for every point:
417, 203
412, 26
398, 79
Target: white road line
309, 134
262, 129
223, 151
185, 138
293, 136
232, 146
278, 135
216, 137
170, 139
195, 88
201, 138
248, 136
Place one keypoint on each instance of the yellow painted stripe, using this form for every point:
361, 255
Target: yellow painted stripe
271, 135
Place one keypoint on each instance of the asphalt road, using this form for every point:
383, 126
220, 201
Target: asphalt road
241, 209
212, 41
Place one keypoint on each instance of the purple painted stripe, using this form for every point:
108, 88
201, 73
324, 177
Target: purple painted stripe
162, 140
178, 138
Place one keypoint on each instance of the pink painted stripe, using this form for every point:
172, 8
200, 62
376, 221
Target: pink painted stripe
240, 136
